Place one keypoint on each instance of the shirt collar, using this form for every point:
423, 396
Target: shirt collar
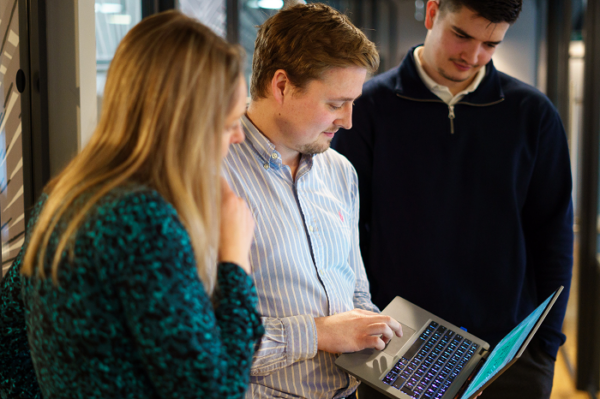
270, 157
443, 92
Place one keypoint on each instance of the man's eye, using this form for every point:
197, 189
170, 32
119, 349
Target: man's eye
334, 107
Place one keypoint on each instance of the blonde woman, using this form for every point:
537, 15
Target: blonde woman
113, 293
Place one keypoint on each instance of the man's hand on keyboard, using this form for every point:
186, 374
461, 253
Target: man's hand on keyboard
355, 330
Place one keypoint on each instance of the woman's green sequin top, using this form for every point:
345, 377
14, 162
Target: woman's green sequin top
130, 317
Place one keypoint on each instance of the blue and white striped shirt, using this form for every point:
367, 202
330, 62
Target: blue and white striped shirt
305, 260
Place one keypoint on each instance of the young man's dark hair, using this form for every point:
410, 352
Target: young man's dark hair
493, 10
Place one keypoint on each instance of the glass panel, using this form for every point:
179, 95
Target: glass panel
255, 12
114, 18
209, 12
252, 14
11, 152
569, 350
575, 132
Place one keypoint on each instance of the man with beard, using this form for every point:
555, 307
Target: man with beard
309, 66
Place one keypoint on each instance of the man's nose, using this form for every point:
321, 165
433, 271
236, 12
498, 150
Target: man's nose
346, 120
471, 53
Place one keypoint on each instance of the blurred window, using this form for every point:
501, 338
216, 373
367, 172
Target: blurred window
114, 18
210, 12
12, 205
213, 13
252, 14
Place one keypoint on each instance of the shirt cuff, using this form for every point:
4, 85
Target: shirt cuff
301, 337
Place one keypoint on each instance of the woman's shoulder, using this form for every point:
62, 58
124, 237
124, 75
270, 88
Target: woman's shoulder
131, 198
134, 198
133, 203
132, 222
133, 208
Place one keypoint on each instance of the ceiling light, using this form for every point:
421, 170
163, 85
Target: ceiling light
270, 4
108, 8
120, 19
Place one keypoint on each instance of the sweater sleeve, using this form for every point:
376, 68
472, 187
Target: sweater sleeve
17, 375
187, 348
548, 225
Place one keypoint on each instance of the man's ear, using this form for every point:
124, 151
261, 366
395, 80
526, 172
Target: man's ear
433, 9
280, 85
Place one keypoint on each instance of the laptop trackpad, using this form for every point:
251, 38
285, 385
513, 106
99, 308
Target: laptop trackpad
397, 343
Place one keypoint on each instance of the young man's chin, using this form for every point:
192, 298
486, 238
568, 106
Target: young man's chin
458, 76
316, 148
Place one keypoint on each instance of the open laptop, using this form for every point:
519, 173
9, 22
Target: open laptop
436, 359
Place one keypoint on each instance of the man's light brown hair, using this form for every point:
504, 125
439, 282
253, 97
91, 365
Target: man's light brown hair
306, 40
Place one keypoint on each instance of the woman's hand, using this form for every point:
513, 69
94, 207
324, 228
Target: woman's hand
237, 229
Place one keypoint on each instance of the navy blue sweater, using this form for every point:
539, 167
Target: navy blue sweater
469, 218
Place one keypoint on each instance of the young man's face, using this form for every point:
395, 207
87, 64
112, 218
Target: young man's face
309, 118
458, 44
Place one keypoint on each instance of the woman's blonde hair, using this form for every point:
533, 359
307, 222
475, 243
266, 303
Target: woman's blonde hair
168, 90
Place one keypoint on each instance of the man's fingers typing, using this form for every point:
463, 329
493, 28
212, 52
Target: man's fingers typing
380, 329
355, 330
373, 341
392, 323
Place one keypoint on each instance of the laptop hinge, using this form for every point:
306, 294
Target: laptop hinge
466, 384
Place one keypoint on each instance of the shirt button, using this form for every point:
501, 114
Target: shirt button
266, 166
274, 155
310, 228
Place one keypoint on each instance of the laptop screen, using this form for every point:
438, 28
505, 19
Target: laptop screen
506, 350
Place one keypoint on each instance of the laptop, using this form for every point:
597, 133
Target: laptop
435, 359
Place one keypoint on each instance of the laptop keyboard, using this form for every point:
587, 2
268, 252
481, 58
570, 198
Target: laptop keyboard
428, 368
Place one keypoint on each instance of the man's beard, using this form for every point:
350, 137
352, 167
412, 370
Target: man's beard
315, 147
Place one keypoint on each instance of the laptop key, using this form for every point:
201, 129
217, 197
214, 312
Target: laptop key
411, 383
428, 394
408, 391
419, 391
399, 382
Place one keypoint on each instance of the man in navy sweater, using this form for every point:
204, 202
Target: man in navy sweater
465, 188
